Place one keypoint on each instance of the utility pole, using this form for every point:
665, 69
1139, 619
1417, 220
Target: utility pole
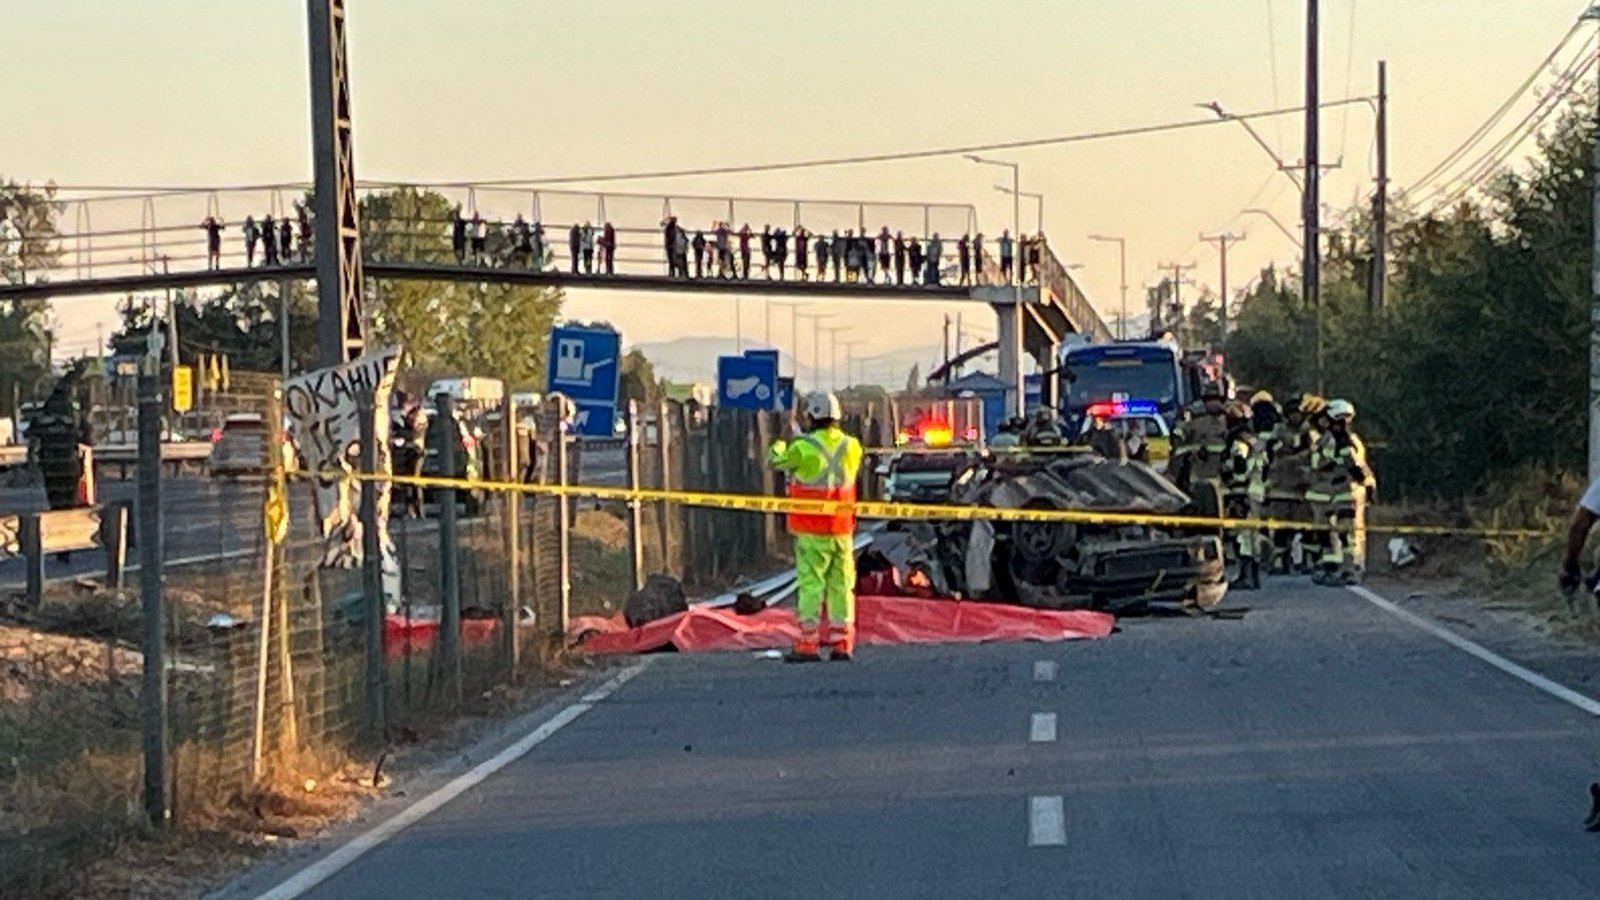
738, 327
1222, 241
1177, 291
1311, 205
1380, 201
1594, 303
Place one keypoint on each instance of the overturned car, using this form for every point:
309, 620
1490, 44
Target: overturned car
1109, 565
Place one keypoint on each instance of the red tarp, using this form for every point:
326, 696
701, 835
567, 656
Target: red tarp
879, 620
419, 634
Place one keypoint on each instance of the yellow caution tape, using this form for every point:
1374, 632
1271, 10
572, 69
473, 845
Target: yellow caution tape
876, 510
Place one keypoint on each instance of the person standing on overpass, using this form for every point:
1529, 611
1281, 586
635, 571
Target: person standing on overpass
213, 242
1005, 256
823, 464
252, 233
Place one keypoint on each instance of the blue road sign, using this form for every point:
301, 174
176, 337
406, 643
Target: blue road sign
585, 365
746, 383
785, 394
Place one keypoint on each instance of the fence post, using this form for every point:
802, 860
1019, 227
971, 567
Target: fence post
563, 535
31, 540
153, 689
114, 540
513, 515
664, 432
449, 562
765, 426
635, 505
371, 569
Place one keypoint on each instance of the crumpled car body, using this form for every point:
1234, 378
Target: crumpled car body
1097, 565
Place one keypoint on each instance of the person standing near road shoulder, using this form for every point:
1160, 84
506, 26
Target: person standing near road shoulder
1584, 516
823, 464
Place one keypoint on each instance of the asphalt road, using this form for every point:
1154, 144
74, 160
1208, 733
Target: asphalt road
1319, 747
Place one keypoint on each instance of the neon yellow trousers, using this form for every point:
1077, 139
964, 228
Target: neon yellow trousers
825, 572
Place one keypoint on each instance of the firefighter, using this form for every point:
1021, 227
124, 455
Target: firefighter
1043, 430
1289, 477
1102, 438
1200, 442
1340, 480
1245, 490
822, 464
1008, 435
1264, 415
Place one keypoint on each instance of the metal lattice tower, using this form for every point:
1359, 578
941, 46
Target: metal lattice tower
337, 222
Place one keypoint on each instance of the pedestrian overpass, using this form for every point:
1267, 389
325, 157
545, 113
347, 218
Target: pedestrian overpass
154, 241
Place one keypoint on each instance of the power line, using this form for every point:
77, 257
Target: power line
1491, 161
1494, 118
1077, 138
1272, 61
1349, 79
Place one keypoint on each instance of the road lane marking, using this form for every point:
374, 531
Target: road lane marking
1528, 676
1044, 670
326, 867
1043, 728
1047, 822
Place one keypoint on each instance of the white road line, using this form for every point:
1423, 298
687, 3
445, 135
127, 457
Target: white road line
1043, 728
326, 867
1047, 822
1044, 670
1559, 691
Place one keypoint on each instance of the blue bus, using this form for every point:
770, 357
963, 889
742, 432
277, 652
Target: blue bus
1144, 377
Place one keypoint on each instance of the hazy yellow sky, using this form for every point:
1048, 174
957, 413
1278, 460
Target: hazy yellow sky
214, 92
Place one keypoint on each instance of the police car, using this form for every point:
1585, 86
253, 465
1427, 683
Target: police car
1140, 426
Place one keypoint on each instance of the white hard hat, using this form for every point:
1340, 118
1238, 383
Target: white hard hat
1341, 409
823, 405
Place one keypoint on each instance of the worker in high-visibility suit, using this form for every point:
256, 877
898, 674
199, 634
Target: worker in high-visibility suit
822, 464
1245, 492
1340, 480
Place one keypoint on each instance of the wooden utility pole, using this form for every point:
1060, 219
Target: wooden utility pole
1177, 294
1379, 289
1222, 241
1311, 202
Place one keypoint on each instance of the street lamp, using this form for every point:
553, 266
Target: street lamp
850, 357
816, 342
1039, 198
1122, 262
1019, 406
833, 354
794, 327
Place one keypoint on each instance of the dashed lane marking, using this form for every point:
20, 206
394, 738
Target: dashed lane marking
1043, 728
1044, 670
1047, 822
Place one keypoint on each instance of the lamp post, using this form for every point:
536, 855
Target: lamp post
816, 342
794, 327
1038, 198
1122, 262
1019, 405
833, 354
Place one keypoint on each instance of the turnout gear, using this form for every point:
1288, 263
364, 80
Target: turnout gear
1244, 494
1340, 481
823, 464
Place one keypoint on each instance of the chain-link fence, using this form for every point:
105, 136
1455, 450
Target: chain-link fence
269, 677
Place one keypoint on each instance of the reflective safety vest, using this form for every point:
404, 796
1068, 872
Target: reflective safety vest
822, 465
1336, 471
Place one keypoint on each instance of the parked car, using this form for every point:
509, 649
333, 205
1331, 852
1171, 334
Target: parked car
241, 446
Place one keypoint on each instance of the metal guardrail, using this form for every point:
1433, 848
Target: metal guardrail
121, 454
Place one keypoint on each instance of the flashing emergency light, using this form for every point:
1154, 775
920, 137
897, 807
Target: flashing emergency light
937, 434
1110, 409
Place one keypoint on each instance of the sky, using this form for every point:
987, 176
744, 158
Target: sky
214, 92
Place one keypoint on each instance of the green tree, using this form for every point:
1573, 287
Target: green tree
27, 249
639, 381
497, 330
